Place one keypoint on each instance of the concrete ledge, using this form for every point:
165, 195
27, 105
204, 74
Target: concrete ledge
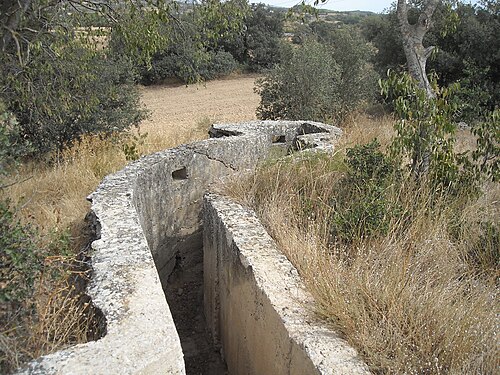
149, 218
255, 302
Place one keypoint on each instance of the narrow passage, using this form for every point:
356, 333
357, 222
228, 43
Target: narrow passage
184, 293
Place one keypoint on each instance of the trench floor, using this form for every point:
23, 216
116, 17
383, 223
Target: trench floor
184, 293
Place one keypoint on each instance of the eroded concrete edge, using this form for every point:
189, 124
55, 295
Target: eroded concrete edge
255, 302
141, 336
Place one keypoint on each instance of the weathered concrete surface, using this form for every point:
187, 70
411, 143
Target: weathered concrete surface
141, 336
150, 219
254, 302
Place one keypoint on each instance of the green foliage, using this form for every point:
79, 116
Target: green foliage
424, 130
467, 42
56, 82
425, 136
324, 79
358, 80
57, 99
487, 153
362, 206
185, 61
20, 259
10, 151
218, 20
302, 86
258, 45
130, 147
194, 50
382, 31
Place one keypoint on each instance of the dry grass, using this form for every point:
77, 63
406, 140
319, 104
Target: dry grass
410, 301
53, 195
58, 315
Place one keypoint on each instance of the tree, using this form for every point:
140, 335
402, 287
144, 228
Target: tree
413, 36
258, 46
302, 86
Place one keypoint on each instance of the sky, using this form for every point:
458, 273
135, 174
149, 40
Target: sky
342, 5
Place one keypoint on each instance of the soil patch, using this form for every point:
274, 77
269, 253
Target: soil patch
180, 108
184, 293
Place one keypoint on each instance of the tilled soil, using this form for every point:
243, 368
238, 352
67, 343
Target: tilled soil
177, 107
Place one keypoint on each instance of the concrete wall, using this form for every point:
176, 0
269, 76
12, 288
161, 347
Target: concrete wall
149, 215
256, 304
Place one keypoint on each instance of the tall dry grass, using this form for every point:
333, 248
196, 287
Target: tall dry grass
410, 301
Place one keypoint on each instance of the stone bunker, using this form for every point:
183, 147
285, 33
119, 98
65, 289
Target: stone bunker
189, 281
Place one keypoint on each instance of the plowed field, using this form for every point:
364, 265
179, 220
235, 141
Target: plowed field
180, 109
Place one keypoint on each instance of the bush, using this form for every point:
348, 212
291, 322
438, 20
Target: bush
219, 64
302, 87
362, 207
258, 46
467, 55
10, 131
21, 261
57, 100
319, 81
189, 65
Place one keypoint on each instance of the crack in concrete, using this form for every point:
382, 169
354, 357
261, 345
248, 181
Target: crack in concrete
225, 164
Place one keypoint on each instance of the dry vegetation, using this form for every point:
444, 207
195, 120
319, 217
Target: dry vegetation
51, 198
416, 300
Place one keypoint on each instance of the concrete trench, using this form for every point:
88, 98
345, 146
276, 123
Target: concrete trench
234, 304
184, 292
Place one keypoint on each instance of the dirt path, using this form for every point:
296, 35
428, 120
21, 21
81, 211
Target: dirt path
178, 108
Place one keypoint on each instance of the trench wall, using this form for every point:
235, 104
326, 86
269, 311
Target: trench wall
256, 304
149, 217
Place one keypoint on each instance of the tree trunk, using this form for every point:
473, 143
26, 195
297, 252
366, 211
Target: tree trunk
413, 35
416, 57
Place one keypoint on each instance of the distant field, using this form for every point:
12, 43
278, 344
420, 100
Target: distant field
179, 110
179, 114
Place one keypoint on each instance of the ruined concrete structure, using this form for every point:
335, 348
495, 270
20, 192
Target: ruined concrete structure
153, 217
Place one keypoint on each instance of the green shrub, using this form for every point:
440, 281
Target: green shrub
302, 87
319, 81
220, 63
20, 259
258, 46
487, 152
57, 100
362, 206
10, 151
189, 65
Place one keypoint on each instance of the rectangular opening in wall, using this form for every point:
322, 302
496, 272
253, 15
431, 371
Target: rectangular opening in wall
180, 174
279, 139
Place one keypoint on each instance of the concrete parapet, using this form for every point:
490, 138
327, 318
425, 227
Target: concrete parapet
149, 218
256, 304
